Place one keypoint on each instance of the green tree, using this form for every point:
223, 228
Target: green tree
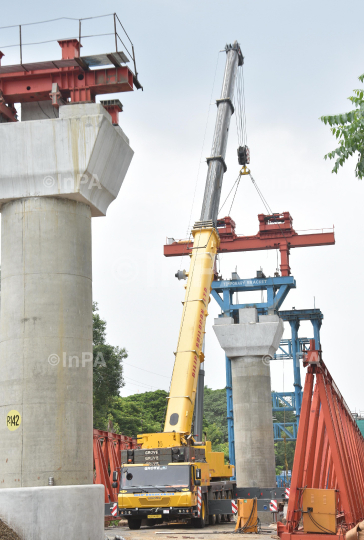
348, 129
139, 413
215, 413
107, 372
284, 450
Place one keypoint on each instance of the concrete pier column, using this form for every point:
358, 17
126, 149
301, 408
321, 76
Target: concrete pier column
249, 344
46, 342
55, 175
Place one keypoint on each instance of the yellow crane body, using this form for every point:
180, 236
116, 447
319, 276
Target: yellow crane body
188, 355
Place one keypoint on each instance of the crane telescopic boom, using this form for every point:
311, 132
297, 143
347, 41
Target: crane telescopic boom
225, 109
189, 355
206, 242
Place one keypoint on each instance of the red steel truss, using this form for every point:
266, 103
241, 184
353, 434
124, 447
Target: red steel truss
69, 78
275, 232
329, 453
107, 459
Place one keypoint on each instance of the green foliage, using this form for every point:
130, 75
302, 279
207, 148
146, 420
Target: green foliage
284, 450
214, 420
107, 372
348, 129
139, 413
215, 414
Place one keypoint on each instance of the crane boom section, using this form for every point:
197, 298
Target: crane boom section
189, 354
216, 162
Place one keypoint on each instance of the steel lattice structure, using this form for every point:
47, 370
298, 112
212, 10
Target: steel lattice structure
329, 453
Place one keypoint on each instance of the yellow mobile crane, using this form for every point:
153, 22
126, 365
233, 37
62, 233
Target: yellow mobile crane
172, 476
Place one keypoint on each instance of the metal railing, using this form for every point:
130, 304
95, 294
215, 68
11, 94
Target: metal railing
117, 27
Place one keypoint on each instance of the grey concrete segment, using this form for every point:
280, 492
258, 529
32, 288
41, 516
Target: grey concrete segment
249, 346
75, 110
39, 110
79, 156
224, 320
55, 513
248, 315
46, 310
250, 338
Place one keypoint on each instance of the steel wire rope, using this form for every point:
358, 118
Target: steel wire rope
239, 103
137, 383
236, 104
232, 202
188, 232
266, 205
142, 369
244, 108
221, 207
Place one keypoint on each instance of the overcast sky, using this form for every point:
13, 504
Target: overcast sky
302, 60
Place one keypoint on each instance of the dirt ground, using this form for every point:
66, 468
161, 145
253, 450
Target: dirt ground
182, 532
6, 533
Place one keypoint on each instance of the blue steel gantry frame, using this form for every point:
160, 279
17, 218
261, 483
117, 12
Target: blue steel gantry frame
277, 289
296, 348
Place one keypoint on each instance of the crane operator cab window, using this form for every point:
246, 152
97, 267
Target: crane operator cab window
169, 476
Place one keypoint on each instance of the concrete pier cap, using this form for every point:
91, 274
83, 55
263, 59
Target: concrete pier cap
80, 156
250, 344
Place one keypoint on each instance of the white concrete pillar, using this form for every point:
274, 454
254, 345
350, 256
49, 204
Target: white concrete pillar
55, 174
46, 342
249, 345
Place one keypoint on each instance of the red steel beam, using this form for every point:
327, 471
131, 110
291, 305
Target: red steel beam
27, 83
73, 83
293, 513
275, 232
312, 435
255, 243
319, 453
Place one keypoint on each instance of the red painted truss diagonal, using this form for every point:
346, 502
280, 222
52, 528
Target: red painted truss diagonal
107, 449
329, 454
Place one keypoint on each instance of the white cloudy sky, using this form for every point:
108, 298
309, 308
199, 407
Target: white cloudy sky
302, 60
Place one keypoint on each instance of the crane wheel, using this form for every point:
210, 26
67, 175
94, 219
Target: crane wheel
218, 516
212, 517
200, 522
134, 524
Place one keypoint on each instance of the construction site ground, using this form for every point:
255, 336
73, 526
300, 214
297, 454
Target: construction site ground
182, 532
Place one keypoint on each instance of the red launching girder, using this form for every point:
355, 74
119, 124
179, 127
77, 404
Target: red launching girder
107, 449
275, 232
329, 453
26, 83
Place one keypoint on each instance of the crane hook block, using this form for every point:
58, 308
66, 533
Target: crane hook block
243, 155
